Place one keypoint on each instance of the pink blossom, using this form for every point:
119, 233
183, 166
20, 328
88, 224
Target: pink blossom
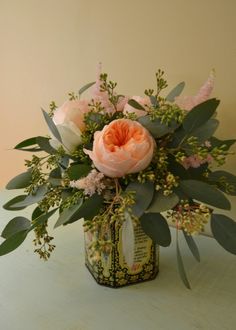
90, 184
195, 161
189, 102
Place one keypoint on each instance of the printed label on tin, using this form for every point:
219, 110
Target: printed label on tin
142, 251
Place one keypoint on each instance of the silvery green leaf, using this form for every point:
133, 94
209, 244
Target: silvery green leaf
205, 131
68, 213
199, 115
20, 181
181, 269
175, 92
192, 246
33, 198
13, 242
224, 231
10, 205
161, 203
225, 181
136, 105
52, 126
85, 87
205, 193
156, 227
143, 196
15, 225
156, 127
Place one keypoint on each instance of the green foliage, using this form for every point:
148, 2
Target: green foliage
225, 181
205, 193
44, 145
199, 115
11, 243
136, 105
181, 268
161, 203
68, 213
224, 231
24, 145
20, 181
85, 87
77, 171
156, 127
192, 245
33, 198
10, 205
176, 91
52, 127
143, 196
156, 227
41, 218
14, 226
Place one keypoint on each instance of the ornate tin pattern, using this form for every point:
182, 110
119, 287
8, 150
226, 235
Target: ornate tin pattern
112, 270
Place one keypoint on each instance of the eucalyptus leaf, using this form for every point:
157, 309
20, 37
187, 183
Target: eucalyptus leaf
156, 128
177, 169
36, 213
78, 171
192, 246
33, 198
205, 193
42, 218
224, 231
44, 144
178, 137
175, 92
136, 105
52, 126
143, 196
67, 214
64, 162
55, 177
225, 181
13, 242
181, 269
199, 115
85, 87
88, 209
10, 205
154, 101
161, 203
205, 131
15, 225
26, 143
217, 143
156, 227
20, 181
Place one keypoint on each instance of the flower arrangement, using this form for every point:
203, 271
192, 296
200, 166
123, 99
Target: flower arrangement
113, 159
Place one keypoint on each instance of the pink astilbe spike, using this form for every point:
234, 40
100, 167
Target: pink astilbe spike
188, 102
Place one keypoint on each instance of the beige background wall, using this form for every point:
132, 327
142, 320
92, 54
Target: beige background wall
50, 47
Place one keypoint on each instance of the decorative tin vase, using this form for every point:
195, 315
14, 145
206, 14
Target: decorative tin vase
111, 268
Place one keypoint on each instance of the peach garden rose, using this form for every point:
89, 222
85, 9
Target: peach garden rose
122, 147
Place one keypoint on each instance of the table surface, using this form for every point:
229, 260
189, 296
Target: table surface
61, 294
